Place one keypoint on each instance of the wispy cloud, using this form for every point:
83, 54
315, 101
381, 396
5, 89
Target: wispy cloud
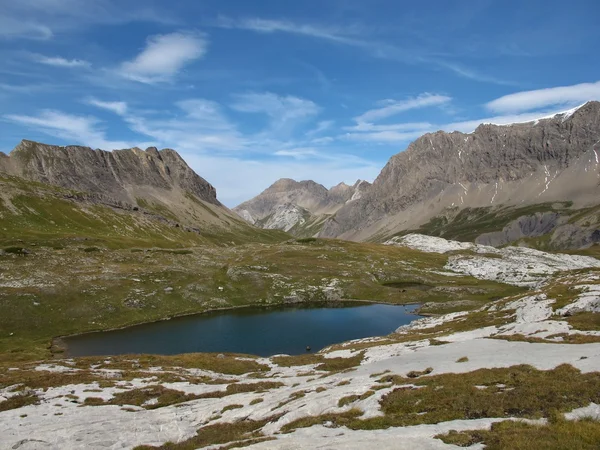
199, 126
403, 132
77, 129
563, 96
385, 137
15, 28
393, 107
119, 108
60, 62
298, 153
43, 19
470, 74
164, 56
285, 112
335, 34
356, 36
321, 127
369, 127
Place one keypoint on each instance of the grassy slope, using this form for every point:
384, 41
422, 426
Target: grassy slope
91, 267
41, 214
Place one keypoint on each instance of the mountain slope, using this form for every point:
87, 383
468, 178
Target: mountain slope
299, 207
151, 196
443, 174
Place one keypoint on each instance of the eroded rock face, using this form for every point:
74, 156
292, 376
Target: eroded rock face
547, 160
120, 174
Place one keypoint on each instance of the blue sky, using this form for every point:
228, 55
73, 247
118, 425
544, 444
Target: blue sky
250, 92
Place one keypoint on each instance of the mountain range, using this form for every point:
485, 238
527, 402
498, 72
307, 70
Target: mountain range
534, 183
496, 185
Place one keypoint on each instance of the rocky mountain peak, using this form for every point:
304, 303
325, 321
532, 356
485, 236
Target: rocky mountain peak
124, 175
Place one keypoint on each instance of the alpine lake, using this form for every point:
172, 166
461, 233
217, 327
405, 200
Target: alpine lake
262, 331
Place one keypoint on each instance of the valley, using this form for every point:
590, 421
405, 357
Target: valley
75, 261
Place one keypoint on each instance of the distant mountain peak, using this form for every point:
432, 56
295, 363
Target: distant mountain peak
298, 206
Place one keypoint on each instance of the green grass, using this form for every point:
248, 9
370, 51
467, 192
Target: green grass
322, 363
558, 435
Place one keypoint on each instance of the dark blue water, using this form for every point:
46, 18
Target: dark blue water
257, 331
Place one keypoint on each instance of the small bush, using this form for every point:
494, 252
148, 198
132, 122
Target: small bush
306, 240
19, 401
94, 401
17, 251
417, 374
231, 407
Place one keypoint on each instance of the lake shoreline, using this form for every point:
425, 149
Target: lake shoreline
59, 347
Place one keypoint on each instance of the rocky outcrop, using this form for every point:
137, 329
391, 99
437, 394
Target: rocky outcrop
553, 159
535, 225
298, 206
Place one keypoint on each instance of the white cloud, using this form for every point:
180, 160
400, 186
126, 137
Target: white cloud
76, 129
563, 96
164, 56
119, 108
394, 107
385, 136
61, 62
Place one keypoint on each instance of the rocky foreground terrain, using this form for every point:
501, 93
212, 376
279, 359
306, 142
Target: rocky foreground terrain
519, 369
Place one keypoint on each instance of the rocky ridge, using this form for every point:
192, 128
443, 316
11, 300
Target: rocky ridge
159, 181
548, 160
